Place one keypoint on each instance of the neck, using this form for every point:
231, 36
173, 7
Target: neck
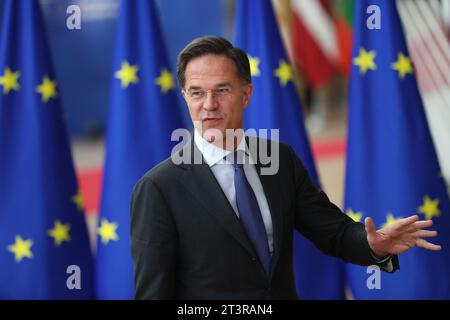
229, 142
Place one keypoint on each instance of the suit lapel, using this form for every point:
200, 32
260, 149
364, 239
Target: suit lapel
200, 182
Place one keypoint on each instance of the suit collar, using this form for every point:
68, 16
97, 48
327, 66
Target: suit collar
200, 182
215, 155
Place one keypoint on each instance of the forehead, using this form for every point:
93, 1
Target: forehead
210, 69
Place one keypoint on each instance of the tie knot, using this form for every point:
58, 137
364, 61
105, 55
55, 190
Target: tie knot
236, 158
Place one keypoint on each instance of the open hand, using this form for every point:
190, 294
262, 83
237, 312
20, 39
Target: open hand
400, 236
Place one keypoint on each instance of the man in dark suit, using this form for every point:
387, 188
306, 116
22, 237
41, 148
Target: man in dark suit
220, 228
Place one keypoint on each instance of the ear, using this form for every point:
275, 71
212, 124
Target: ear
184, 95
248, 90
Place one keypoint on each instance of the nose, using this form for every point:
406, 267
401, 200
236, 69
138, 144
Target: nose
210, 102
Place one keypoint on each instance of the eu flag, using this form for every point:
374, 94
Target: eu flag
142, 115
276, 105
44, 245
392, 169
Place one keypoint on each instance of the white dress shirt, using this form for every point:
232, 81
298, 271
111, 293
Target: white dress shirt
224, 173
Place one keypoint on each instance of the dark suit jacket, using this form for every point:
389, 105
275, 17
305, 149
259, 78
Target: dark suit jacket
188, 243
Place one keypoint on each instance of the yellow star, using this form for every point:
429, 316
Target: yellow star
390, 219
365, 61
284, 72
60, 232
254, 66
78, 200
356, 216
10, 81
430, 208
47, 89
165, 81
403, 65
21, 248
127, 74
107, 231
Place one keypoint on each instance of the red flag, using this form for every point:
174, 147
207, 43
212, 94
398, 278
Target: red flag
314, 41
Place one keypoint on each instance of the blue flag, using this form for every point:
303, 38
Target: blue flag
143, 113
392, 169
44, 245
275, 104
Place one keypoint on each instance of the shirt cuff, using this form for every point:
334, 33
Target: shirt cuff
385, 262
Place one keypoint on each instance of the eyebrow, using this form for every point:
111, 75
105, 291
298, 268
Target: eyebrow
223, 84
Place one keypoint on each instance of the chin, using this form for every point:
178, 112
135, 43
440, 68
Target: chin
213, 134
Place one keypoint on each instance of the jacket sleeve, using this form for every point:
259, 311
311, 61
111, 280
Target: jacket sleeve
332, 231
153, 243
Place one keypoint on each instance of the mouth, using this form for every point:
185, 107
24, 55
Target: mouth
211, 120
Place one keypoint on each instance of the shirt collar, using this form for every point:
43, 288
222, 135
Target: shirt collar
213, 154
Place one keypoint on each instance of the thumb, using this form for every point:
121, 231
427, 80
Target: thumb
370, 225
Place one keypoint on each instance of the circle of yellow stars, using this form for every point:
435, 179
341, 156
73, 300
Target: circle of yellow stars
429, 208
128, 74
60, 232
21, 248
9, 80
284, 72
365, 61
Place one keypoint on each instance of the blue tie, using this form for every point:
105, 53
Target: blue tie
250, 215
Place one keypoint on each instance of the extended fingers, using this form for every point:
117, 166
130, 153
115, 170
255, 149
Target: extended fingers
422, 224
419, 225
408, 222
405, 225
428, 245
425, 233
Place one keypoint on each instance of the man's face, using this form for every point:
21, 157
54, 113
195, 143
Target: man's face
215, 95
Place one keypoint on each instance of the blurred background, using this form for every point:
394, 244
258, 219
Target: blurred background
83, 64
83, 60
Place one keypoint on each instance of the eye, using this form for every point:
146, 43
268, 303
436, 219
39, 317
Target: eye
197, 94
223, 91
